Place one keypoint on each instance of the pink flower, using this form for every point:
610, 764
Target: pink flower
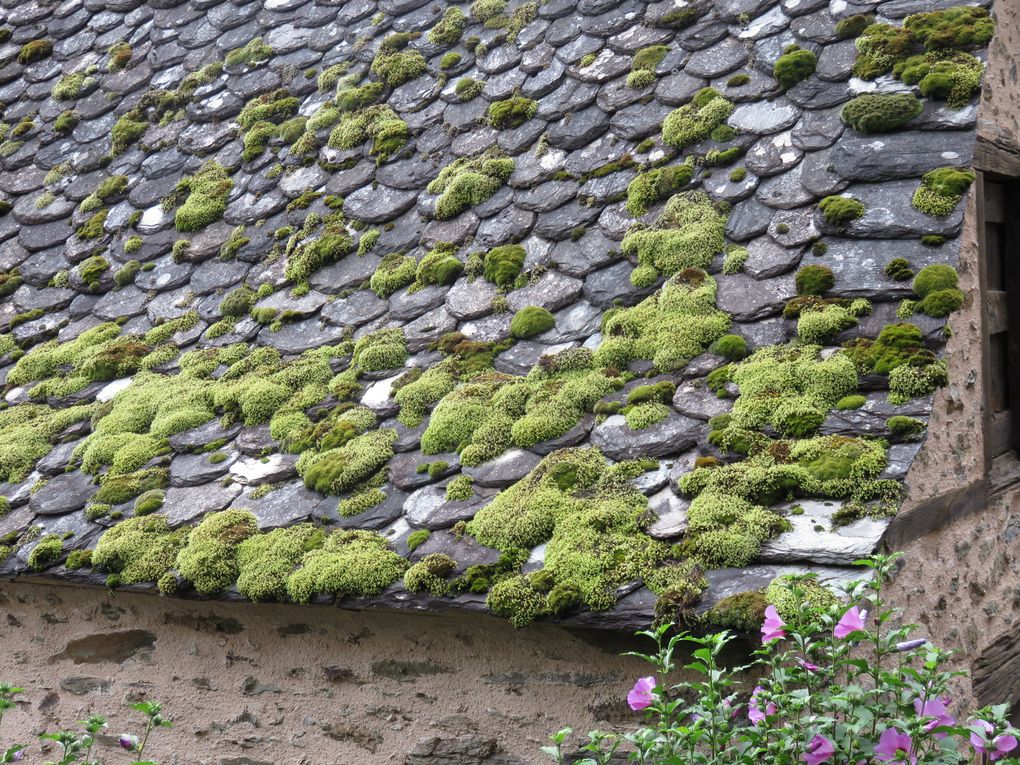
935, 708
807, 665
895, 747
754, 712
128, 742
642, 695
1000, 745
852, 621
772, 629
819, 749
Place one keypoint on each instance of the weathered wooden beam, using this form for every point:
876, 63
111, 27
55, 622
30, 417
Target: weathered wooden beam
995, 672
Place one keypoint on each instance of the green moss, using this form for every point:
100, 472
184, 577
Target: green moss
209, 560
33, 51
126, 130
67, 121
932, 240
378, 123
469, 181
961, 26
744, 611
251, 54
71, 86
799, 598
669, 328
530, 321
459, 489
934, 278
688, 233
349, 563
954, 78
503, 264
879, 47
93, 228
397, 67
734, 261
818, 325
511, 112
237, 302
92, 269
331, 245
795, 65
207, 191
732, 347
680, 18
265, 561
449, 60
659, 183
417, 538
383, 349
393, 272
905, 428
440, 266
814, 279
942, 302
738, 80
880, 112
907, 382
486, 11
840, 210
449, 29
648, 59
941, 190
47, 552
139, 549
468, 88
856, 401
852, 26
642, 78
430, 574
895, 346
78, 559
694, 121
899, 270
738, 174
335, 471
119, 56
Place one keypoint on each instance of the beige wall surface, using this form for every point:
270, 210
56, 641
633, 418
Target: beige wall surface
962, 582
291, 684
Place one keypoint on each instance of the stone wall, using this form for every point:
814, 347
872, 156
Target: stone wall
961, 583
289, 684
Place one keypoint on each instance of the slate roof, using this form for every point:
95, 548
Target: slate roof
564, 202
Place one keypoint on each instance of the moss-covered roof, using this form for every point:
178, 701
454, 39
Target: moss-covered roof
572, 310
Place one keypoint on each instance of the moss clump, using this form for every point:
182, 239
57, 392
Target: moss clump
33, 51
659, 183
119, 56
840, 210
378, 123
941, 190
814, 280
852, 26
936, 286
72, 86
644, 64
47, 552
695, 120
417, 538
254, 52
149, 502
879, 47
819, 324
511, 112
383, 349
744, 611
899, 270
336, 471
459, 489
430, 574
732, 347
265, 561
530, 321
94, 227
395, 68
331, 244
904, 428
503, 264
799, 598
207, 193
847, 403
439, 267
669, 328
959, 27
689, 233
467, 88
349, 563
734, 261
67, 121
725, 530
895, 346
469, 181
78, 559
795, 65
91, 270
449, 29
209, 560
126, 130
237, 302
393, 272
450, 60
953, 78
880, 112
139, 549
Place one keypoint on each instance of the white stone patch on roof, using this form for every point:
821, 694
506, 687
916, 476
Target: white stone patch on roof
378, 394
252, 469
112, 389
151, 220
813, 538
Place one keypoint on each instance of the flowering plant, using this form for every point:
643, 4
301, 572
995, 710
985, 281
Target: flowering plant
834, 686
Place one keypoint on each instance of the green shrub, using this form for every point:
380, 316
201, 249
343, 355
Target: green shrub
794, 65
530, 321
880, 112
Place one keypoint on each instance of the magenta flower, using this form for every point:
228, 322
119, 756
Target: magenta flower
772, 628
852, 621
935, 708
895, 747
642, 695
18, 755
819, 749
1000, 745
128, 742
754, 712
807, 665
